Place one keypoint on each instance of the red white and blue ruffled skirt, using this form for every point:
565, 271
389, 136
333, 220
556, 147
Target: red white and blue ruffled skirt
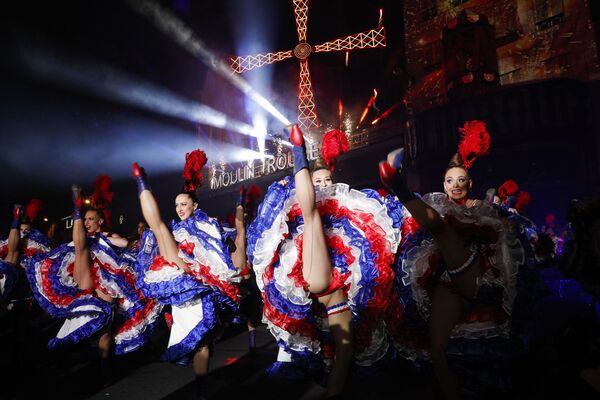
132, 315
200, 299
362, 232
14, 286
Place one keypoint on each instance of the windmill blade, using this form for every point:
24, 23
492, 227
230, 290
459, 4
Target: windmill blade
307, 115
241, 64
301, 14
370, 39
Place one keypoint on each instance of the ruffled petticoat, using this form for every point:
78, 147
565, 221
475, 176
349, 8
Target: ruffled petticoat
13, 281
362, 233
133, 316
490, 332
199, 299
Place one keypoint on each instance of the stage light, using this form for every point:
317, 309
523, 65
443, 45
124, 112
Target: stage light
180, 33
87, 201
248, 155
103, 81
260, 131
45, 219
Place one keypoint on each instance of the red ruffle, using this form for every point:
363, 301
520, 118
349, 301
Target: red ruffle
187, 247
140, 316
32, 209
523, 200
205, 275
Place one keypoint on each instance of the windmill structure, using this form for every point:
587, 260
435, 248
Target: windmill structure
307, 116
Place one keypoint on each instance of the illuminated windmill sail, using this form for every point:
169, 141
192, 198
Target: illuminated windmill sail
307, 116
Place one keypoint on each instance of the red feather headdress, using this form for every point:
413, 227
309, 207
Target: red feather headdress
335, 143
475, 142
508, 188
192, 171
103, 196
32, 209
523, 200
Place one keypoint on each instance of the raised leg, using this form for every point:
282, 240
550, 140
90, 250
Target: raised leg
14, 235
164, 238
83, 259
316, 266
454, 251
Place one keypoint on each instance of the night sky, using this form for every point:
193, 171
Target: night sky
56, 131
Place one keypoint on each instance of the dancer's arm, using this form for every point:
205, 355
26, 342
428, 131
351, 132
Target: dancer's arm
117, 240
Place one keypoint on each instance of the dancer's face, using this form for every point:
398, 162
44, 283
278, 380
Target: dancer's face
184, 206
93, 221
25, 228
457, 183
322, 178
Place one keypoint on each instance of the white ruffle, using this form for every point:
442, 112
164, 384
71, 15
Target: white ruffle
139, 328
166, 273
271, 239
36, 246
186, 317
295, 341
204, 255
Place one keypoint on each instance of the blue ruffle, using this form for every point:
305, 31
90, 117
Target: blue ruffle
392, 205
208, 241
134, 343
211, 308
268, 210
56, 256
304, 364
102, 317
37, 236
175, 291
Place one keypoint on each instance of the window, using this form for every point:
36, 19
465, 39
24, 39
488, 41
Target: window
548, 13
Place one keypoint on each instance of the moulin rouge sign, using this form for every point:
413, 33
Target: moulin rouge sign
225, 175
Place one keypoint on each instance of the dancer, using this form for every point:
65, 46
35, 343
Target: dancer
189, 269
23, 243
465, 258
90, 282
319, 251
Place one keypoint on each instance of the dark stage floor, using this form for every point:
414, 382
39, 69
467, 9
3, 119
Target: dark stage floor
31, 371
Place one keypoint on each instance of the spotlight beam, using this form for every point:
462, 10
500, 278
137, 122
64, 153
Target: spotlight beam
170, 25
103, 81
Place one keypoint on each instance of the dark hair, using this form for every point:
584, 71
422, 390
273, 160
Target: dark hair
192, 195
456, 162
318, 165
